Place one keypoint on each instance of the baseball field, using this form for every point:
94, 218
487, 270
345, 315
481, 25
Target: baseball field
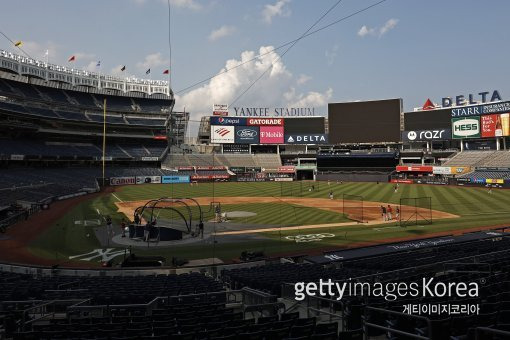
276, 218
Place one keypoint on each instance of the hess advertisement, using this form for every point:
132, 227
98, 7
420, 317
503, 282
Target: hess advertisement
222, 134
496, 125
466, 127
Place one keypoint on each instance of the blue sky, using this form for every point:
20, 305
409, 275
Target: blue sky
402, 48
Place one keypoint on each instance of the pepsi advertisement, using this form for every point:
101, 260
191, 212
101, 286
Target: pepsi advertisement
247, 134
228, 121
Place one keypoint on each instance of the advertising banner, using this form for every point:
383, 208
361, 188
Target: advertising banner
271, 135
122, 180
150, 159
466, 127
481, 109
494, 181
247, 134
174, 179
421, 168
148, 179
495, 125
222, 134
283, 179
237, 169
185, 168
426, 135
307, 139
220, 110
227, 121
216, 167
442, 170
199, 177
459, 170
405, 181
266, 121
287, 169
17, 157
253, 169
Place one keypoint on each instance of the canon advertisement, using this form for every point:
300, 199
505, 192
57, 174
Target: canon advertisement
306, 139
247, 134
271, 135
222, 134
466, 127
426, 135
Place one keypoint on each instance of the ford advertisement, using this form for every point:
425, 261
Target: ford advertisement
247, 134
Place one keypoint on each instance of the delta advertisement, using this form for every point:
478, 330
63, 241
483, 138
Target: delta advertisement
271, 135
306, 139
247, 134
222, 134
148, 179
174, 179
466, 128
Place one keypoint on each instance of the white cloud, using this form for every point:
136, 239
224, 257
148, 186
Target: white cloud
152, 61
278, 9
274, 89
389, 25
365, 30
222, 32
302, 79
188, 4
331, 54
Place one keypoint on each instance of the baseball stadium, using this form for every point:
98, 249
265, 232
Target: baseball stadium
118, 220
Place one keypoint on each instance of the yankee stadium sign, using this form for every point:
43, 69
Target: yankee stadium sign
275, 112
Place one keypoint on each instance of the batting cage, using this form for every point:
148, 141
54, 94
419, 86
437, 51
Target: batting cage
415, 210
352, 207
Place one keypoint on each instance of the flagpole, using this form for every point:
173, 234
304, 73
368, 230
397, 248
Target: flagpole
104, 134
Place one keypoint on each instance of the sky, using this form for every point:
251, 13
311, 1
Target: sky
407, 49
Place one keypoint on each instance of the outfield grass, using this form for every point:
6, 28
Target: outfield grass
476, 207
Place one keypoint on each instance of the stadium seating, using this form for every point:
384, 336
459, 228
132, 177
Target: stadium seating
484, 174
268, 161
480, 158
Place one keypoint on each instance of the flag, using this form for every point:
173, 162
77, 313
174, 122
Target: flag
18, 43
148, 71
98, 63
73, 58
166, 71
123, 68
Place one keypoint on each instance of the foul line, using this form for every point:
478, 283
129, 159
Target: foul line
118, 199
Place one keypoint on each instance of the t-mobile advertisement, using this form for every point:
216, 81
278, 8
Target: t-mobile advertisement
271, 135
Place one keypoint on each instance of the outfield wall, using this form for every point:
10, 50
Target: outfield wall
353, 177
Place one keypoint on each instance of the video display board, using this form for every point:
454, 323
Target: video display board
304, 126
365, 122
428, 120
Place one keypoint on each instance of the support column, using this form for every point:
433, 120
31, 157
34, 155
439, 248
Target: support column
497, 144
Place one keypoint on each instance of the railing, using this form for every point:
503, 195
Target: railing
481, 333
367, 325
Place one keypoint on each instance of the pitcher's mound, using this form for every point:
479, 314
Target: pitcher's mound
234, 214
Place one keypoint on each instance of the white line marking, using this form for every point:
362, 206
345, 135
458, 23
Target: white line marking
118, 199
